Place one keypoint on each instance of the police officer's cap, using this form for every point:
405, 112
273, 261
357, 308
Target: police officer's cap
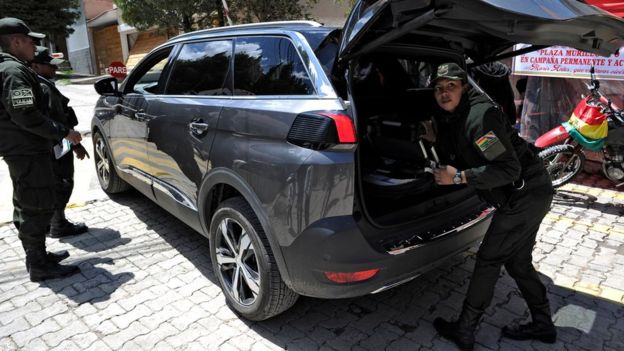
11, 25
42, 55
449, 70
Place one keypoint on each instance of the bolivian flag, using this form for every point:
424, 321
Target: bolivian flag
588, 125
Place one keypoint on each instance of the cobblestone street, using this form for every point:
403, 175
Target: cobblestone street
147, 284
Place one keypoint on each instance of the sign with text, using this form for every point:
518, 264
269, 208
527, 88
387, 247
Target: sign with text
117, 70
557, 61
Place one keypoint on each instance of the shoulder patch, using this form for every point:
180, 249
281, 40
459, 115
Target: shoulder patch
490, 146
22, 98
486, 141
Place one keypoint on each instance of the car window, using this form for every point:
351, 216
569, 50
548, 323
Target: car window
201, 69
147, 78
269, 66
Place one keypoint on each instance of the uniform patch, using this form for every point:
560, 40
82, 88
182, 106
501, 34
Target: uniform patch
490, 146
22, 98
486, 141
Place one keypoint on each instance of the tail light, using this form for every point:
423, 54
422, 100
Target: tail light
351, 277
322, 130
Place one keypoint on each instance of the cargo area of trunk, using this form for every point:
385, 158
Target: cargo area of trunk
392, 99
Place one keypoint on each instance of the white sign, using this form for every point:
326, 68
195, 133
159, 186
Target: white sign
558, 61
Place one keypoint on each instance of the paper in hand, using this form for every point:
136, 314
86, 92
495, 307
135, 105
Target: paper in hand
60, 149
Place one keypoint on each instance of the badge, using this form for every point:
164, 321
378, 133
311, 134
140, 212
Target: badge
490, 146
22, 98
443, 70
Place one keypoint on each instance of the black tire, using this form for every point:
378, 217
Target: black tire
109, 180
555, 159
257, 268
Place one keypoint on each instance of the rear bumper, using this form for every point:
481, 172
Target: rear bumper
337, 245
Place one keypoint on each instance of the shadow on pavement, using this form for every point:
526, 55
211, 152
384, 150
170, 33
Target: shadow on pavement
93, 284
584, 321
402, 317
580, 199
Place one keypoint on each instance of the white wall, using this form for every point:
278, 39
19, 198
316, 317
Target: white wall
78, 45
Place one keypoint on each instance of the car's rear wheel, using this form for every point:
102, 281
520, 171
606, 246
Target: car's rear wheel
109, 180
243, 262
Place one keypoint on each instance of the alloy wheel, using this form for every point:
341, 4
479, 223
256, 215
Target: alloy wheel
237, 262
102, 163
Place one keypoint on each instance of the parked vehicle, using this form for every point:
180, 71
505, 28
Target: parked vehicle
563, 152
295, 147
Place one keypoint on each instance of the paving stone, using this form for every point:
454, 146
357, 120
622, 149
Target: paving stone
6, 344
155, 336
22, 338
84, 340
16, 325
150, 286
117, 340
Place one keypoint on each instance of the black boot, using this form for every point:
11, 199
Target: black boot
541, 328
461, 332
54, 257
41, 268
66, 228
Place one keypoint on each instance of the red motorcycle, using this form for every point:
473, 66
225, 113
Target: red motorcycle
596, 125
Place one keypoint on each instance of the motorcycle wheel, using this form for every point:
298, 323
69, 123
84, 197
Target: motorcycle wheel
563, 163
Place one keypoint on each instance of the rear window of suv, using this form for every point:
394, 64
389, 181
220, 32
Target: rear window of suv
201, 69
269, 66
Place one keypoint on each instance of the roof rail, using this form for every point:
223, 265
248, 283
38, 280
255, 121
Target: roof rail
251, 26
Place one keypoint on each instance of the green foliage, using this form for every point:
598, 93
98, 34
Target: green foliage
52, 17
273, 10
188, 15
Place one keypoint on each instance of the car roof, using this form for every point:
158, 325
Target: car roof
303, 27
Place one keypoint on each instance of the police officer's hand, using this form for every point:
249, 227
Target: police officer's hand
443, 175
74, 137
80, 152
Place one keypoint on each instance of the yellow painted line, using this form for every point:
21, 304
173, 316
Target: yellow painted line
612, 294
588, 288
582, 224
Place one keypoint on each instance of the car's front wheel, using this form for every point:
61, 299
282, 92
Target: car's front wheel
109, 180
243, 262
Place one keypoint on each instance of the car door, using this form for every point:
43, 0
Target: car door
128, 129
482, 28
182, 123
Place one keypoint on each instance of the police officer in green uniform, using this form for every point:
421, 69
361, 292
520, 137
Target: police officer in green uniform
480, 149
25, 136
58, 109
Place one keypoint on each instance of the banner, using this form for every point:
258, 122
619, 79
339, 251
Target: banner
558, 61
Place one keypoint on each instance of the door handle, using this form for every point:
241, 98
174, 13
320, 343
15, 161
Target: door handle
141, 116
198, 127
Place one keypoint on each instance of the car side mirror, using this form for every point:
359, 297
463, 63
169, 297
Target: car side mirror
107, 86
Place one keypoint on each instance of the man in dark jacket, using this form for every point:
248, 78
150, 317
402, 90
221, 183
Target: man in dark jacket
25, 136
481, 150
58, 109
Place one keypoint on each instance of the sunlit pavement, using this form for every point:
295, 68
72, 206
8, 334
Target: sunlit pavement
147, 284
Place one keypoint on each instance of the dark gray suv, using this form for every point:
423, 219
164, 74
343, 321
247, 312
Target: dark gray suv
297, 149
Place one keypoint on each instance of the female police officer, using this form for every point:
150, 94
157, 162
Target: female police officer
482, 150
